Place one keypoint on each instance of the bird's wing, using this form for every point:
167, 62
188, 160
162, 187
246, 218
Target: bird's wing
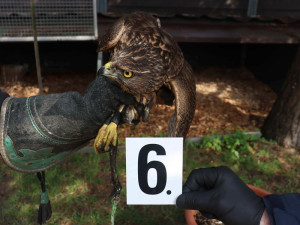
175, 58
112, 36
184, 89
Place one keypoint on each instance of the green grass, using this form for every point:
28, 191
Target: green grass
79, 188
257, 161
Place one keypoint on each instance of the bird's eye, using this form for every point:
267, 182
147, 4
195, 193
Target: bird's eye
127, 74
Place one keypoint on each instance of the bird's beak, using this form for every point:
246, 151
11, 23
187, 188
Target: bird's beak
109, 71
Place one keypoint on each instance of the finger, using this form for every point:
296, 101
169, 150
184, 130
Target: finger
201, 179
201, 201
208, 215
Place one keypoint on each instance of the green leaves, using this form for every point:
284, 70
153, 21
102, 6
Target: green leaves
236, 148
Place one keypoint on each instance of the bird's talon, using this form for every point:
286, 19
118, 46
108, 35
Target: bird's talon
100, 139
107, 135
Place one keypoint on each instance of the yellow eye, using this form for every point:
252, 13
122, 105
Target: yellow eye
127, 74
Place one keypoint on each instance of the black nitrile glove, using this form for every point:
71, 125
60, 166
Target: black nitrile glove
219, 193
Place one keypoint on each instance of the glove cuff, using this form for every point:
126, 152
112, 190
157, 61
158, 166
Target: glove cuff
39, 132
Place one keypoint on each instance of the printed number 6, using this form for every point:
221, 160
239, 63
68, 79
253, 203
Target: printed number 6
144, 167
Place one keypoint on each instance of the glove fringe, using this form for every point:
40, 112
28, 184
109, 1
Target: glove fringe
45, 210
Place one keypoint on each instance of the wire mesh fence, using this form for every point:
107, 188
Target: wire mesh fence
55, 20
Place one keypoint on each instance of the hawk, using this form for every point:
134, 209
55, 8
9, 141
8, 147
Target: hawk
143, 59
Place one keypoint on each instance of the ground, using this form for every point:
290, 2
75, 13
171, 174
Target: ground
227, 99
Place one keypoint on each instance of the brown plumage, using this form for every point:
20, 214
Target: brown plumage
143, 58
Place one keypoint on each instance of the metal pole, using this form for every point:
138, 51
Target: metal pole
36, 47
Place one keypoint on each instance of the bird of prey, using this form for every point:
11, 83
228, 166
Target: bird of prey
143, 59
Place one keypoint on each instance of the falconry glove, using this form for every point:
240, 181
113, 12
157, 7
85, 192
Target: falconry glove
39, 132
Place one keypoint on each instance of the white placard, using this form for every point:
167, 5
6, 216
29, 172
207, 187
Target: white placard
153, 170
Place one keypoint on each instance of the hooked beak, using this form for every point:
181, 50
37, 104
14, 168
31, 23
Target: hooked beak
109, 71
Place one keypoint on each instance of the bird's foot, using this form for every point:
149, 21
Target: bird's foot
107, 135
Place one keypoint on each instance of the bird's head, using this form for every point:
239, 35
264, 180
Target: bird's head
136, 74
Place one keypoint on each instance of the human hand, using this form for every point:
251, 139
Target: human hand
219, 193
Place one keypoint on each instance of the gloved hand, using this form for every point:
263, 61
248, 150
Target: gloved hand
103, 97
219, 193
41, 131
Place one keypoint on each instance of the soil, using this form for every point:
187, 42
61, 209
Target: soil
227, 99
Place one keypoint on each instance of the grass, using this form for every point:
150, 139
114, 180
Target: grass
79, 188
257, 161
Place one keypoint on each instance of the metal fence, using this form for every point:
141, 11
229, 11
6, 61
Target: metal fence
55, 20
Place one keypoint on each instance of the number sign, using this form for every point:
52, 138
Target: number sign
153, 170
